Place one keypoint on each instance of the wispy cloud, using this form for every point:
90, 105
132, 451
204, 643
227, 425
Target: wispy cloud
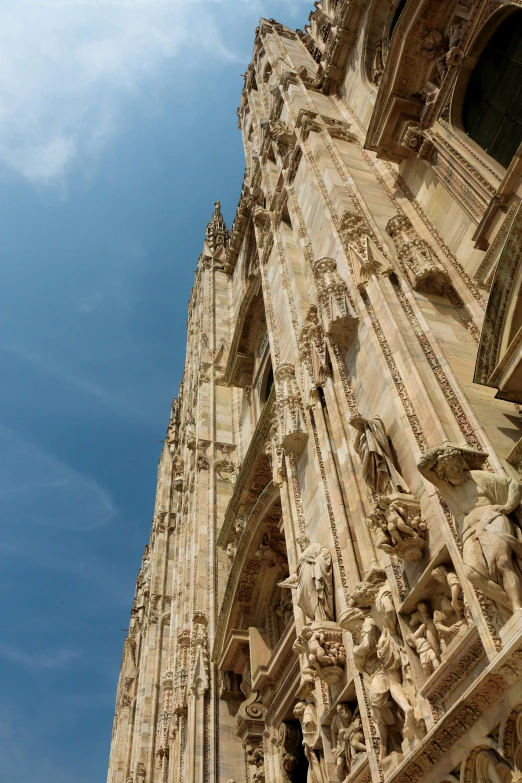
53, 659
66, 67
37, 487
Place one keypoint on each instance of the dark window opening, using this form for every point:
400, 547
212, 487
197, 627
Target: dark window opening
269, 384
492, 111
396, 15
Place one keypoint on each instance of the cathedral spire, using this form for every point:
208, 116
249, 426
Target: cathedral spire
217, 232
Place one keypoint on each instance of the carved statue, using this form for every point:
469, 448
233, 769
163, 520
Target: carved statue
255, 757
313, 581
422, 616
285, 608
324, 652
371, 444
481, 503
231, 553
447, 623
397, 526
356, 737
450, 578
380, 654
341, 741
428, 656
348, 739
306, 712
269, 553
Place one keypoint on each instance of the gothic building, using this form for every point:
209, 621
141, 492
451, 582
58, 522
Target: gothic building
332, 590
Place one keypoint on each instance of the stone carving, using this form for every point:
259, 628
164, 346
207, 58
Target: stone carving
447, 623
312, 346
348, 740
190, 434
428, 657
445, 52
481, 503
226, 470
292, 432
270, 552
255, 757
377, 65
379, 652
416, 258
397, 526
313, 581
231, 554
230, 686
340, 322
323, 650
288, 747
285, 608
306, 712
373, 448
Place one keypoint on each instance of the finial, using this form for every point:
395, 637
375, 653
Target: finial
217, 206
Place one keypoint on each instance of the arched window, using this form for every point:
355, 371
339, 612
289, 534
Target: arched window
492, 110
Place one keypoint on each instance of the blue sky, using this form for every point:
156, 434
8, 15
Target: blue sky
118, 131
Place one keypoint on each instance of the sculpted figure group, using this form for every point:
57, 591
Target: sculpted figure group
483, 504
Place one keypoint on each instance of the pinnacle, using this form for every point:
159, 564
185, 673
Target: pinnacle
217, 232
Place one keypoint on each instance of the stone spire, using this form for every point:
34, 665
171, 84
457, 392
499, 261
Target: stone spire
217, 232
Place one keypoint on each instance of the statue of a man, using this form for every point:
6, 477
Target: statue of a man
371, 444
480, 502
381, 655
313, 581
341, 740
306, 712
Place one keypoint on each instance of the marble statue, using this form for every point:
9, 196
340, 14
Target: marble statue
379, 652
347, 738
481, 503
428, 657
313, 581
373, 448
306, 712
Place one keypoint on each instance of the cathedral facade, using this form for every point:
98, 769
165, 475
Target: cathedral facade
332, 590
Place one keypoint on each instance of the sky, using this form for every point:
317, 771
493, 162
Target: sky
118, 131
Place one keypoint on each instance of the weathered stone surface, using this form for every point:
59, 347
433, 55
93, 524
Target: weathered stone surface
328, 435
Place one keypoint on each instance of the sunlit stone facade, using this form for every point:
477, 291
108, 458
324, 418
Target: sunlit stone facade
332, 587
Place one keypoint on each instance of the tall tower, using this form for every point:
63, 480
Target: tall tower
332, 590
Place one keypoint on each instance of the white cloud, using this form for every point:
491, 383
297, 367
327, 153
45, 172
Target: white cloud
65, 68
41, 490
53, 659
